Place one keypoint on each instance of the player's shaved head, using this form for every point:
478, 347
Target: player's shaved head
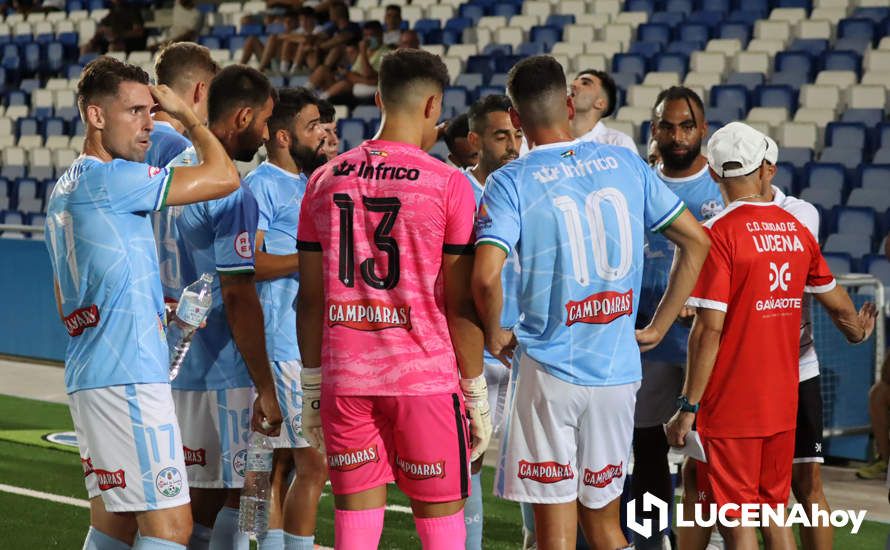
537, 87
183, 64
408, 77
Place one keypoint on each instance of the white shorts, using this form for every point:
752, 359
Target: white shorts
563, 442
657, 399
290, 400
130, 447
215, 428
497, 378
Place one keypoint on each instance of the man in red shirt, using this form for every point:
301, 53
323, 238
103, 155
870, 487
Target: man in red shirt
742, 372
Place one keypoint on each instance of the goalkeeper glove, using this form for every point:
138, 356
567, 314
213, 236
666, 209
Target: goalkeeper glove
475, 392
310, 380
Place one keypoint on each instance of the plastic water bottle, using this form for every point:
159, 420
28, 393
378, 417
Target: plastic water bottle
253, 518
192, 310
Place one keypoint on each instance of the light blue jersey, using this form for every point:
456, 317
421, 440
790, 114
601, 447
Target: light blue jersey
509, 275
166, 144
167, 235
576, 213
279, 195
216, 237
103, 255
702, 197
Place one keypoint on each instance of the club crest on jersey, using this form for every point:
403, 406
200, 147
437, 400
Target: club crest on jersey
545, 472
240, 462
194, 457
154, 171
242, 245
421, 470
369, 315
352, 459
87, 464
602, 478
169, 482
600, 308
108, 479
81, 319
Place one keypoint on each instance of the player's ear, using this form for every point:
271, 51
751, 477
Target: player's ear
199, 94
514, 118
429, 109
95, 116
570, 106
377, 101
243, 118
474, 140
281, 138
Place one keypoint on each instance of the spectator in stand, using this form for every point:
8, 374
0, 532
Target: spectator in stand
328, 47
331, 147
409, 39
392, 23
360, 82
187, 23
122, 30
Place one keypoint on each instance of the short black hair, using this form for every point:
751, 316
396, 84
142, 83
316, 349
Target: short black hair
608, 85
531, 81
290, 102
396, 7
680, 93
375, 26
180, 60
401, 69
103, 76
237, 86
458, 127
306, 11
326, 110
494, 103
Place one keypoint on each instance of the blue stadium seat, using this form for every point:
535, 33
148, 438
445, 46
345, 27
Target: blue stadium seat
12, 217
883, 135
658, 33
823, 175
844, 60
27, 127
805, 4
876, 14
366, 113
625, 81
55, 57
498, 79
815, 47
481, 64
874, 198
223, 31
504, 63
489, 90
823, 197
495, 50
875, 176
629, 64
678, 6
639, 5
722, 6
710, 19
546, 34
749, 80
776, 96
871, 118
730, 97
793, 80
785, 176
211, 42
882, 156
560, 19
738, 30
878, 266
694, 31
851, 135
852, 220
646, 49
54, 127
850, 158
794, 61
351, 130
838, 262
748, 15
32, 57
672, 63
458, 24
757, 6
471, 11
426, 25
724, 115
469, 81
858, 27
669, 18
457, 97
685, 47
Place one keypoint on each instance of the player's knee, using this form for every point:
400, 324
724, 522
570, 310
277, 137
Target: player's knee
313, 473
175, 526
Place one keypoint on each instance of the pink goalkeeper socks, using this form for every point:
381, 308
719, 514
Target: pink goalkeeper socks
358, 529
445, 533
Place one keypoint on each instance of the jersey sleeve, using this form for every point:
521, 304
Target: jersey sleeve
234, 221
307, 232
807, 214
713, 287
460, 210
261, 190
136, 187
661, 206
819, 277
497, 222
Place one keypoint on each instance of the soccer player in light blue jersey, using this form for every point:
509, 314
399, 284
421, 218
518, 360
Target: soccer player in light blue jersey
493, 135
296, 138
678, 129
214, 392
187, 69
575, 213
109, 296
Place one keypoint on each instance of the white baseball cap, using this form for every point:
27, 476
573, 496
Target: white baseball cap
736, 142
772, 150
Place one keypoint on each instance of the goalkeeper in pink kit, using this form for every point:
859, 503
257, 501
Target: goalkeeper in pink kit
391, 346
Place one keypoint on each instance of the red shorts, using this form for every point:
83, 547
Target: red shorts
420, 442
755, 470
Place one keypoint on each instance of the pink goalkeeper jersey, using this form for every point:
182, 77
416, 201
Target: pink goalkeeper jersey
383, 214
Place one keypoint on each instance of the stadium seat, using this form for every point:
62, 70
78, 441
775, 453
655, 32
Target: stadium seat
844, 60
823, 197
853, 220
856, 27
875, 176
586, 61
871, 118
879, 268
578, 34
628, 63
752, 62
642, 96
849, 157
867, 97
736, 31
785, 177
730, 97
815, 28
877, 61
871, 197
765, 45
772, 116
708, 62
28, 195
773, 30
882, 156
820, 97
846, 134
797, 134
662, 79
839, 263
791, 15
795, 61
776, 96
672, 62
694, 32
704, 80
618, 33
749, 80
820, 117
824, 175
728, 46
654, 32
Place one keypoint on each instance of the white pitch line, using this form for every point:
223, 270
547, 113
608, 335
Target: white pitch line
79, 502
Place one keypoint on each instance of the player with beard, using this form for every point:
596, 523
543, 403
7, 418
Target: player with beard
493, 135
678, 128
228, 357
296, 137
331, 147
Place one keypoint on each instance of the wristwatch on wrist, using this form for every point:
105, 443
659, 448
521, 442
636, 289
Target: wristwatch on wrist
685, 406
